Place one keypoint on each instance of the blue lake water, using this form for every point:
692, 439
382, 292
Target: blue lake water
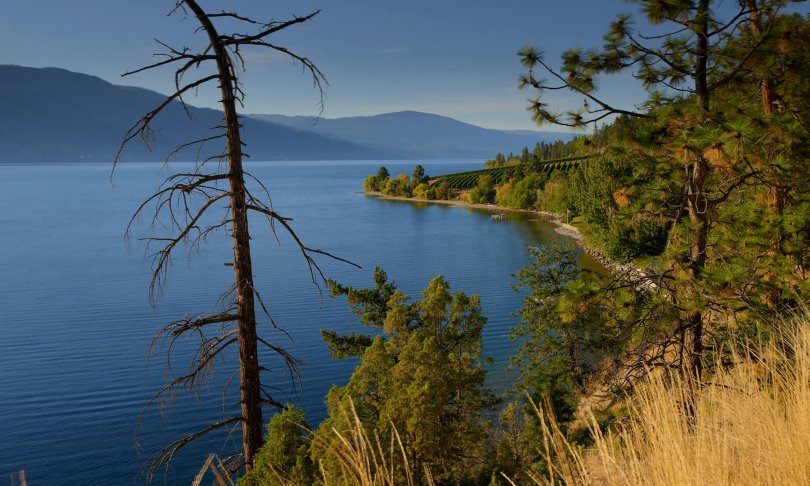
75, 320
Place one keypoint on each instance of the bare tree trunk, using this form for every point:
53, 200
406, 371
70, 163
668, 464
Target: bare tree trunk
698, 215
697, 205
766, 85
702, 55
186, 198
250, 386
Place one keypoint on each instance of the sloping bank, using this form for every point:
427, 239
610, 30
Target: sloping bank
627, 270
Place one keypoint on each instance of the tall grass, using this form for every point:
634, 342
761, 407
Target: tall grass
220, 473
18, 479
749, 425
365, 461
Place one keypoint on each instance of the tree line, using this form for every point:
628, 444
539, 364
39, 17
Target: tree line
403, 186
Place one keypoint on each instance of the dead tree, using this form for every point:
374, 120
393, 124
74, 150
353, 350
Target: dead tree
185, 201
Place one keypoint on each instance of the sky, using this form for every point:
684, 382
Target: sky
454, 58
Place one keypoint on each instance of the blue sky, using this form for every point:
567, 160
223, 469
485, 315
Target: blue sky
455, 58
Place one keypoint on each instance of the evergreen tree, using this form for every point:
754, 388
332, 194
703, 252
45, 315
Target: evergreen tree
423, 375
575, 324
551, 356
524, 155
693, 148
419, 175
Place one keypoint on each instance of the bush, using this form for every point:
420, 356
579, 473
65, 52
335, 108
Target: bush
401, 186
503, 193
484, 192
443, 191
423, 191
553, 197
372, 183
284, 456
524, 192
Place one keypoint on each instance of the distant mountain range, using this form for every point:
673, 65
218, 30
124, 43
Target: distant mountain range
416, 135
54, 115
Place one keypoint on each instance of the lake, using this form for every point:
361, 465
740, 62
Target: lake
76, 319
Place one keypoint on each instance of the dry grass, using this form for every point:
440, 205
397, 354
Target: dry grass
18, 479
364, 461
213, 464
750, 425
621, 197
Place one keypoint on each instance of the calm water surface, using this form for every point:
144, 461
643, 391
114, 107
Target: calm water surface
75, 321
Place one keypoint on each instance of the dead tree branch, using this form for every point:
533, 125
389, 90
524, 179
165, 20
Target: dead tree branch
184, 201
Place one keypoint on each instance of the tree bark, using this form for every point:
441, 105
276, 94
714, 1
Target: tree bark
697, 205
698, 215
250, 386
702, 55
766, 85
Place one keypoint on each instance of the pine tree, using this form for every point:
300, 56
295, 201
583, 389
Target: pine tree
695, 153
423, 375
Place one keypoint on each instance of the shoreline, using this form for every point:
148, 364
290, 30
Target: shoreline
626, 270
562, 228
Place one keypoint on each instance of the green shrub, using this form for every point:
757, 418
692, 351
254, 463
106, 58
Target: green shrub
524, 192
423, 191
372, 183
401, 186
284, 456
552, 197
484, 192
443, 191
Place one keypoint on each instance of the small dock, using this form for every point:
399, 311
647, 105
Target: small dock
499, 217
